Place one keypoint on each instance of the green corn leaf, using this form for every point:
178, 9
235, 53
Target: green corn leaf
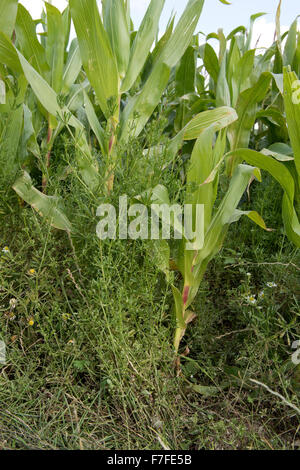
252, 215
141, 106
96, 53
246, 110
241, 76
72, 67
179, 307
115, 23
55, 46
283, 176
278, 28
29, 138
185, 73
183, 33
200, 167
234, 57
10, 141
218, 118
225, 215
222, 41
185, 83
145, 103
8, 14
278, 78
48, 98
163, 40
10, 135
279, 156
223, 93
240, 131
28, 41
2, 92
211, 62
281, 148
142, 43
8, 54
290, 45
292, 109
46, 206
253, 18
95, 124
275, 116
239, 29
66, 17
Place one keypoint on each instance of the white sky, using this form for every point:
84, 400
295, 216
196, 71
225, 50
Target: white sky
232, 15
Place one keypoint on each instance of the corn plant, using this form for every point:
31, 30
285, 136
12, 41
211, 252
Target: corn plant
11, 95
50, 58
114, 61
238, 77
281, 161
202, 180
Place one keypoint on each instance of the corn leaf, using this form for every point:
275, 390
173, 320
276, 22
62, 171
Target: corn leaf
46, 206
218, 118
28, 41
72, 67
211, 62
115, 23
185, 73
145, 103
8, 54
55, 46
253, 18
292, 109
142, 43
2, 92
48, 98
291, 44
282, 175
8, 13
96, 53
223, 93
95, 124
240, 131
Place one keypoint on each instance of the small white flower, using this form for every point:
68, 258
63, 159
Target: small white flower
271, 284
261, 295
249, 274
251, 299
5, 249
13, 303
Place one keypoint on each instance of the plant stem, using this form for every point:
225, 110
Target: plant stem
48, 157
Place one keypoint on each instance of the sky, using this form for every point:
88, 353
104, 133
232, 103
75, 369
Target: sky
215, 14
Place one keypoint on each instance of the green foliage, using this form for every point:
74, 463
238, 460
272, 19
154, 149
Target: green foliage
167, 119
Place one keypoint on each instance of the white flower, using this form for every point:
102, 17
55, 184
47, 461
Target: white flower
5, 249
249, 274
251, 299
271, 284
13, 303
261, 294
